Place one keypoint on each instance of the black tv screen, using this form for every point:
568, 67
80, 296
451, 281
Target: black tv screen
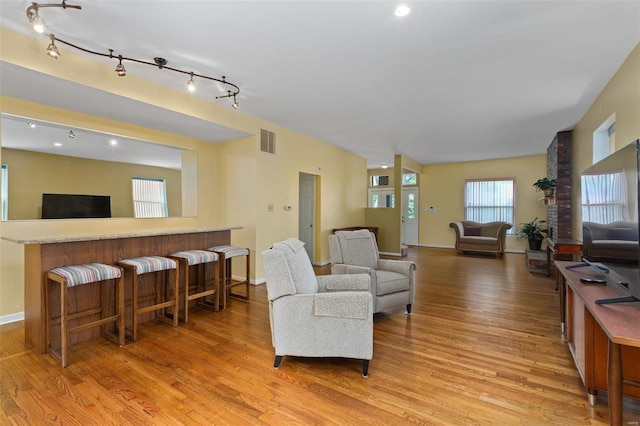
610, 191
71, 206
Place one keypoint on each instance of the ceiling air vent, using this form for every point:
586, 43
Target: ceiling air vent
267, 141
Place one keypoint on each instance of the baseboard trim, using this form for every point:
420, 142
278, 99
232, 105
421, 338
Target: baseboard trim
436, 246
8, 319
388, 253
252, 282
519, 251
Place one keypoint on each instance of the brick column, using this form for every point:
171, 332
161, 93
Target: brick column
559, 168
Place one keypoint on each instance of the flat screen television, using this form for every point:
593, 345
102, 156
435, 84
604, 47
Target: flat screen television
609, 202
73, 206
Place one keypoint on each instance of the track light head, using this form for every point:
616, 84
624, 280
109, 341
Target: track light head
35, 20
191, 85
52, 50
120, 70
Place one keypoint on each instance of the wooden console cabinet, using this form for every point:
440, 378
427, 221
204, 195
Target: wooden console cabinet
603, 339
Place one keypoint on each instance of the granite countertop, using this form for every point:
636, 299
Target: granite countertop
111, 236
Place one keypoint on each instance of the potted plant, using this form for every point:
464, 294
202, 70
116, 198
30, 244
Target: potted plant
534, 232
545, 185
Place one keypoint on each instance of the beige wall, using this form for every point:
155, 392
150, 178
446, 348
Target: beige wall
341, 178
620, 96
32, 173
442, 186
236, 182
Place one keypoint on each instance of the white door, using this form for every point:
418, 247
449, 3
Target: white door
410, 212
306, 214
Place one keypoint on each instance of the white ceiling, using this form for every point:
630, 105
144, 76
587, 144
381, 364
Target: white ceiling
452, 81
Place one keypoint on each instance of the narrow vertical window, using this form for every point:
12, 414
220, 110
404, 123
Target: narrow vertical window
411, 206
149, 197
4, 192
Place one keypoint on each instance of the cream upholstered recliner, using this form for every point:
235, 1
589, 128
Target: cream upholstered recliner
392, 281
323, 316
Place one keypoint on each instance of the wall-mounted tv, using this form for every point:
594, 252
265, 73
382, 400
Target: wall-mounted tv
610, 210
73, 206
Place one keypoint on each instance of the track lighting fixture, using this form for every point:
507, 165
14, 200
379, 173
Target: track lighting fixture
120, 70
71, 134
52, 50
191, 85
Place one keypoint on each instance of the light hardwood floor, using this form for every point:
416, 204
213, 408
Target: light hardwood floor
483, 346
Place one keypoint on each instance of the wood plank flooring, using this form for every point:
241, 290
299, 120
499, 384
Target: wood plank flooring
483, 346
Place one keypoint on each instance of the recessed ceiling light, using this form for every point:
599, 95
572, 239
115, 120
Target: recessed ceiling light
32, 125
113, 142
57, 144
402, 10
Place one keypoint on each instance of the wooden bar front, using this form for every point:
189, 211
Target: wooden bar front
43, 255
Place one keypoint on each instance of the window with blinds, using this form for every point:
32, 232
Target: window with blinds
604, 197
149, 197
489, 200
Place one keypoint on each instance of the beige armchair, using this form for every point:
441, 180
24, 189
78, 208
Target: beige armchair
323, 316
392, 281
480, 237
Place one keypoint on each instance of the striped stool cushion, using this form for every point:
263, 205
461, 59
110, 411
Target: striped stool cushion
195, 257
230, 251
148, 264
89, 273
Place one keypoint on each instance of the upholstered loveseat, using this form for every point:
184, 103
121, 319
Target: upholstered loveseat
480, 237
616, 241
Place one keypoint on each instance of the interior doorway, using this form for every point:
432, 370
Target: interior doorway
410, 212
306, 212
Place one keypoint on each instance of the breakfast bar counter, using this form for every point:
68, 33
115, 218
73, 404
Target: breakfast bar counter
42, 254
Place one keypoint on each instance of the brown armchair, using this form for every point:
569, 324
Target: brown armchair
480, 237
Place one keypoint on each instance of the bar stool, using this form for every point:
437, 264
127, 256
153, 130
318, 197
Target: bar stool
160, 266
226, 253
71, 277
199, 259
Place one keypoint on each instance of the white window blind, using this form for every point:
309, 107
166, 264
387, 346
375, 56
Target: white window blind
149, 197
604, 197
4, 192
489, 201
